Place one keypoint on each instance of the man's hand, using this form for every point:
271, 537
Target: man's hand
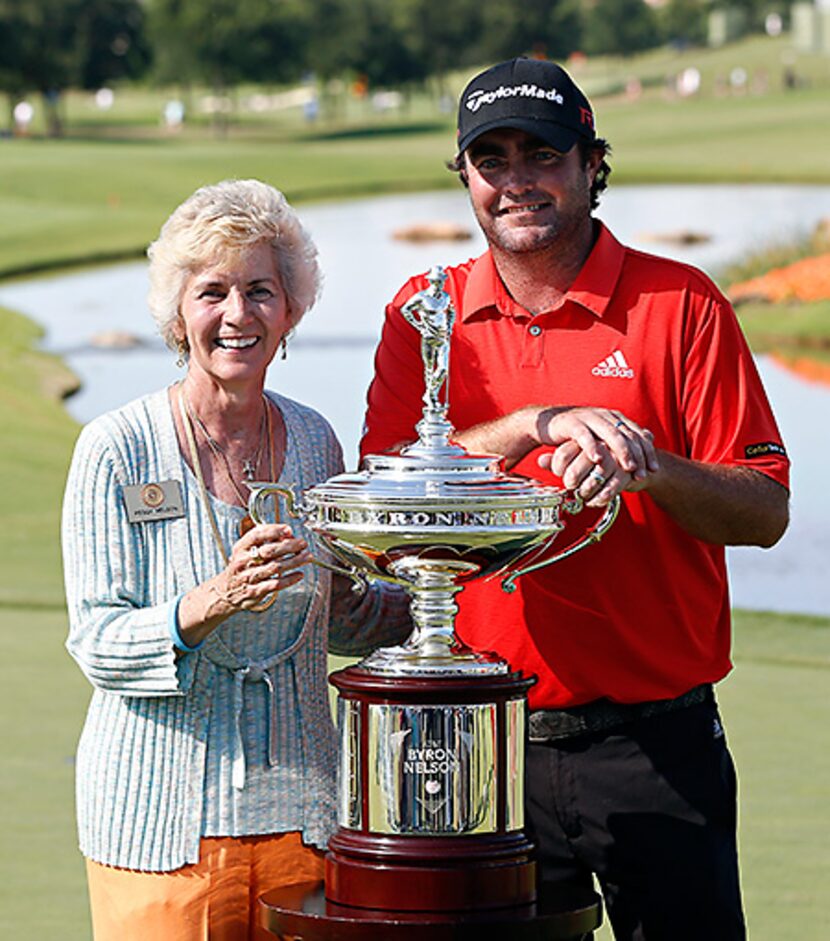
599, 452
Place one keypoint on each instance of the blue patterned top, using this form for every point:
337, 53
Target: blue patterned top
234, 738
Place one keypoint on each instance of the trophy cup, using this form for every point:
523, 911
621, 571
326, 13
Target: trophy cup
432, 733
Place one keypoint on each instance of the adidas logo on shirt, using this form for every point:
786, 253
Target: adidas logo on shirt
613, 367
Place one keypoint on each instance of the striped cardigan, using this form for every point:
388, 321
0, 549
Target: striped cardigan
235, 738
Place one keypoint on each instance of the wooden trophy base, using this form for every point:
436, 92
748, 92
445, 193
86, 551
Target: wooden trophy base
302, 911
383, 885
434, 874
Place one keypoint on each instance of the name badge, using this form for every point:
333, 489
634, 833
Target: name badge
155, 501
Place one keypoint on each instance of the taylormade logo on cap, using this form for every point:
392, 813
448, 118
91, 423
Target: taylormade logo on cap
481, 97
531, 95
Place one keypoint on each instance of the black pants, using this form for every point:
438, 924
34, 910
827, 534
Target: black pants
650, 808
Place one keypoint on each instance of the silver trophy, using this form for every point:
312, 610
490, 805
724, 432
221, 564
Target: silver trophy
433, 517
431, 732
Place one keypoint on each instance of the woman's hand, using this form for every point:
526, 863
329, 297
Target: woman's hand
267, 559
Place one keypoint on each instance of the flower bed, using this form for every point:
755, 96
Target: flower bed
804, 280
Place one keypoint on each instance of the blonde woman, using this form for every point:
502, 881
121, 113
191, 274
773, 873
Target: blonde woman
205, 768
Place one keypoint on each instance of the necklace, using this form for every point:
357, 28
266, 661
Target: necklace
249, 465
189, 416
246, 522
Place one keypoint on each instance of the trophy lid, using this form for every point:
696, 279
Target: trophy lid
420, 476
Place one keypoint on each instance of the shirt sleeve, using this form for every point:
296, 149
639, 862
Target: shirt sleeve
363, 621
395, 396
120, 641
728, 418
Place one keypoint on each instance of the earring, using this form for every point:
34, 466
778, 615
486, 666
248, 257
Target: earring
284, 347
182, 349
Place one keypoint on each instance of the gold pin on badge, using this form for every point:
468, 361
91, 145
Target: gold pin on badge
152, 495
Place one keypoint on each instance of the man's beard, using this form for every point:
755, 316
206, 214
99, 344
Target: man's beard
524, 239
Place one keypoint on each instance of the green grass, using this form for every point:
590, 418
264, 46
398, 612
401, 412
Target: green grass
775, 703
35, 446
72, 201
792, 330
42, 888
776, 712
103, 191
777, 255
802, 329
718, 140
775, 707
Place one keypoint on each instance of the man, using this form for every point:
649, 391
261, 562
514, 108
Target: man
617, 372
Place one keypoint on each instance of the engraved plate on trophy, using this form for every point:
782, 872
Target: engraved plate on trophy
432, 769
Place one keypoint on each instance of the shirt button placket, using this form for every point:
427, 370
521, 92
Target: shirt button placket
533, 347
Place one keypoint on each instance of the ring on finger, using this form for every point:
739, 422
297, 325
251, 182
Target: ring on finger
256, 558
597, 476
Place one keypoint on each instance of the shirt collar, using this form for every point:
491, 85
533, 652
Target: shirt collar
592, 289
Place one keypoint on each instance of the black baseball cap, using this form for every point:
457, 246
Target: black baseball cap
531, 95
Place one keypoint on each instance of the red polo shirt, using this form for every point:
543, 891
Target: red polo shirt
644, 614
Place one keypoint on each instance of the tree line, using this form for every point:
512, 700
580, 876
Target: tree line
47, 46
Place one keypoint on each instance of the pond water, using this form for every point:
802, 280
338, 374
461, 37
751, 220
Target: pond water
330, 360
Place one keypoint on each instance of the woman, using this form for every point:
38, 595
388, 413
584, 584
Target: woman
205, 768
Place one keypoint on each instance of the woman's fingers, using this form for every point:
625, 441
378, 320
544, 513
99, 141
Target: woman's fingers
266, 559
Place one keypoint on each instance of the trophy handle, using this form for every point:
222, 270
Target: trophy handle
359, 581
259, 494
594, 534
256, 507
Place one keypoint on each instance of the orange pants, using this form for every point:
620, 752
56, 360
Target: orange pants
212, 900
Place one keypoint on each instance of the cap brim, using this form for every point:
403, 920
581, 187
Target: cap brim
559, 137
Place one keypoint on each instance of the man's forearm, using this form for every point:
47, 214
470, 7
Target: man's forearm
730, 506
512, 436
725, 505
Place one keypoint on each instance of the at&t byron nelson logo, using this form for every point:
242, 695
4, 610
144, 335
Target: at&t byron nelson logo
434, 759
